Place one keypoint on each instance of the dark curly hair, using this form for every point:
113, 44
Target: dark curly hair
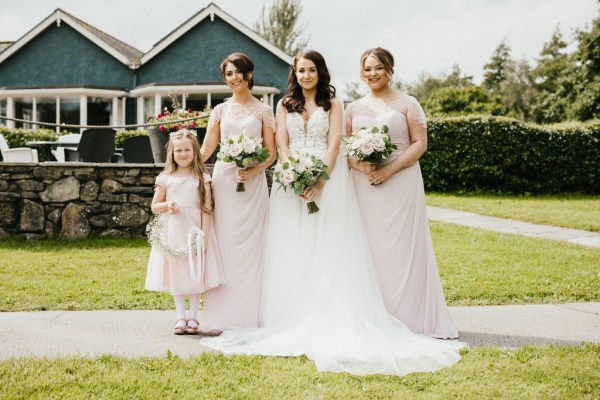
294, 101
241, 62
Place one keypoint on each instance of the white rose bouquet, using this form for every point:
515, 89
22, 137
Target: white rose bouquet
244, 151
298, 172
371, 144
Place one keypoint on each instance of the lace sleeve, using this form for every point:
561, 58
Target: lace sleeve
268, 118
215, 116
415, 113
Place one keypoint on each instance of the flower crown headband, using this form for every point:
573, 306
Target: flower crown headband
179, 132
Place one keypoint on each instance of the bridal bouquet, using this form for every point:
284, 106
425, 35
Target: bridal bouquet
299, 172
371, 144
244, 151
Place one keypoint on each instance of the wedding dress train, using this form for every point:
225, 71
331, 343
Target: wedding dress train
320, 296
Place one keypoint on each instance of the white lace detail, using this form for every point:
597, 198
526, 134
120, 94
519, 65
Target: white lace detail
407, 105
315, 135
260, 111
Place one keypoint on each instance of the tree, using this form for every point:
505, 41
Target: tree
586, 76
517, 88
428, 84
462, 101
354, 91
494, 70
278, 25
553, 65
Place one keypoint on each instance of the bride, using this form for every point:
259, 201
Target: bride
321, 297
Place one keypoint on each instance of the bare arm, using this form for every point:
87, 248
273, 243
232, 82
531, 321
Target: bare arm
159, 205
334, 136
211, 140
281, 135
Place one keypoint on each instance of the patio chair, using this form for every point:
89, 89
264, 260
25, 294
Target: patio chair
19, 154
59, 152
95, 145
136, 149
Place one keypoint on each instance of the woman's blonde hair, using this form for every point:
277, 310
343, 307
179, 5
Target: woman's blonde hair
383, 56
198, 168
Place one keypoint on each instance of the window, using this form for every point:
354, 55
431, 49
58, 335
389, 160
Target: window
45, 110
196, 101
218, 98
69, 112
148, 107
99, 111
167, 101
24, 110
3, 110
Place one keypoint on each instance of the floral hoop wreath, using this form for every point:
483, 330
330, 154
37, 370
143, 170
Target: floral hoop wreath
156, 230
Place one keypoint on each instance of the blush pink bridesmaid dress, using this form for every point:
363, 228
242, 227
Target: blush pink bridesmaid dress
240, 221
395, 220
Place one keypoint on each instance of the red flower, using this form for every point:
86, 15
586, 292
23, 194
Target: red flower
193, 123
197, 113
159, 116
175, 128
189, 110
162, 128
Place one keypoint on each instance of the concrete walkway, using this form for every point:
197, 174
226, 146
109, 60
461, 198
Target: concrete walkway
149, 333
576, 236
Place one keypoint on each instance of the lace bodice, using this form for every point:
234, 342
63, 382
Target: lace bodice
311, 136
395, 114
235, 119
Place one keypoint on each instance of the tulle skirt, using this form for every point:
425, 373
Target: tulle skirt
321, 297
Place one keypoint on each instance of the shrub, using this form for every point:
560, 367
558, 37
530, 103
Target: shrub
503, 155
18, 137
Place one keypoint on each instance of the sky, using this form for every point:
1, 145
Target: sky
425, 36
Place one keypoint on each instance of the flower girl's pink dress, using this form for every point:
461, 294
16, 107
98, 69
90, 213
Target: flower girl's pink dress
395, 219
167, 274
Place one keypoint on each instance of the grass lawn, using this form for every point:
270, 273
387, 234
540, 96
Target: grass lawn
483, 373
480, 267
476, 266
570, 211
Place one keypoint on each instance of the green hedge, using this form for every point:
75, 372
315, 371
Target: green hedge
502, 155
18, 137
479, 153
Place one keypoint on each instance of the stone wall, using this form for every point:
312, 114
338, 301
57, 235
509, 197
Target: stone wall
75, 200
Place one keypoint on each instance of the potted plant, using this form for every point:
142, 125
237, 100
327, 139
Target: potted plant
159, 136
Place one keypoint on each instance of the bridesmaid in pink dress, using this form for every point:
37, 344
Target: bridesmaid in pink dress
239, 218
391, 199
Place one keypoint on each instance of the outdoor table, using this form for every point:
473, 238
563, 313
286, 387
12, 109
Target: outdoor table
45, 147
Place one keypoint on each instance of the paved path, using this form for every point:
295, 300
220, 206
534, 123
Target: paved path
585, 238
148, 333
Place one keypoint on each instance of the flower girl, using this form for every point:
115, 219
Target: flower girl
181, 261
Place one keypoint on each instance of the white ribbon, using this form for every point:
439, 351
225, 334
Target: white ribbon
196, 276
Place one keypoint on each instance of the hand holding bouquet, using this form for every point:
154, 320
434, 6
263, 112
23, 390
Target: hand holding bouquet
244, 151
299, 172
371, 144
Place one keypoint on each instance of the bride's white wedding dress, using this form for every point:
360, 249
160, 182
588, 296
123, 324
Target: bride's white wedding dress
320, 293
